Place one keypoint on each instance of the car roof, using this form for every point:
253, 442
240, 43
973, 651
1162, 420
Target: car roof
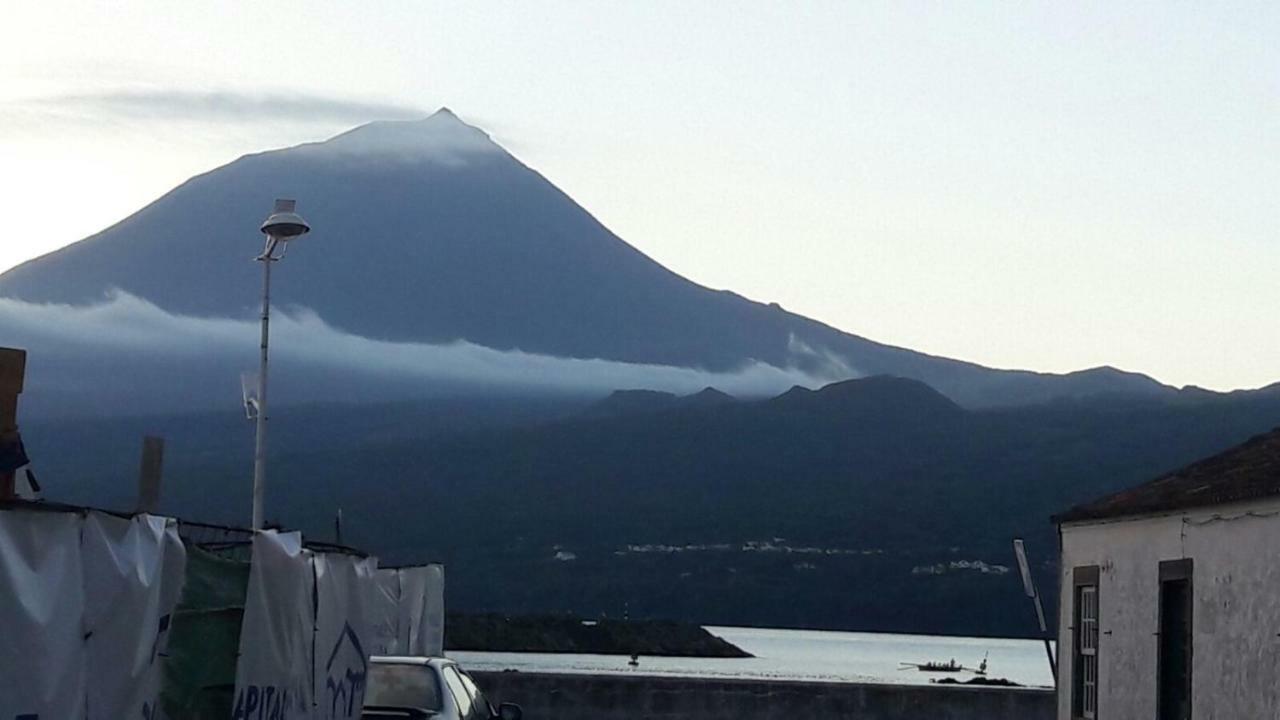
435, 662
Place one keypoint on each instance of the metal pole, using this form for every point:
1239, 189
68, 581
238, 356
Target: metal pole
260, 442
1029, 585
1048, 647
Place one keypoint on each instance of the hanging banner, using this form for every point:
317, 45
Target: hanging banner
274, 673
42, 658
384, 615
133, 573
345, 588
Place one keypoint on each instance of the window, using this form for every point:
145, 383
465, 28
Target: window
1084, 676
1088, 603
402, 686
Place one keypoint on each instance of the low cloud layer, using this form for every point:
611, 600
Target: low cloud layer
112, 348
217, 106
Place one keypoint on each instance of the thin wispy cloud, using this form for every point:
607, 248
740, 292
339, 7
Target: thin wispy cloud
212, 107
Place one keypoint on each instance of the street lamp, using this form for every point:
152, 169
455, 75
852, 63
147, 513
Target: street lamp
281, 226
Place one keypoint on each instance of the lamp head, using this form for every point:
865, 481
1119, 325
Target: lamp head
283, 223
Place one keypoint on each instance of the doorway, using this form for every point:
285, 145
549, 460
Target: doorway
1174, 671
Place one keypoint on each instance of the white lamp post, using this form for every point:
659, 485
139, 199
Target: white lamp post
281, 226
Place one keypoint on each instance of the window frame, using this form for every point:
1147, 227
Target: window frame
1086, 618
453, 681
478, 700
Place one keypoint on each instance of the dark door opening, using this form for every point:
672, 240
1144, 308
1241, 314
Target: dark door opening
1174, 684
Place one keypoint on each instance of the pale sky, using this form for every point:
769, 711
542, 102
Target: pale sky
1049, 186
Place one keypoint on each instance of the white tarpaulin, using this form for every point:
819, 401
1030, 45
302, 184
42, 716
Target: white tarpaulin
422, 609
413, 607
86, 601
428, 636
42, 668
274, 672
345, 591
384, 615
133, 572
407, 613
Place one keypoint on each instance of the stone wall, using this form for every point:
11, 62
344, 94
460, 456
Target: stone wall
546, 696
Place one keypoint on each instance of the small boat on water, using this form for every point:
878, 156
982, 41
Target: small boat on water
951, 666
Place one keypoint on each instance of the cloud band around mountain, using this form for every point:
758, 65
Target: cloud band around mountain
97, 349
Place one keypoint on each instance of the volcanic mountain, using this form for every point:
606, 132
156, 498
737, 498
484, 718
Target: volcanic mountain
428, 231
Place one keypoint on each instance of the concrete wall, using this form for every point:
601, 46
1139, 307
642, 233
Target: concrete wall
1235, 551
628, 697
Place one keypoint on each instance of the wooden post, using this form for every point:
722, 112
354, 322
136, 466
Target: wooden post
13, 369
150, 474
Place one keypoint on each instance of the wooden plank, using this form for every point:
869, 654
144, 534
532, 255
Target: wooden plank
150, 474
13, 370
8, 414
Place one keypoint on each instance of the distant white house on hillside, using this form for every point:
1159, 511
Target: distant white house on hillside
1170, 594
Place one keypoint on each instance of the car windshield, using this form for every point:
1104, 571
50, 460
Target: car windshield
402, 686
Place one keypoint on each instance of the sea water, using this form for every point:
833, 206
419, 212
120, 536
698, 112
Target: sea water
812, 655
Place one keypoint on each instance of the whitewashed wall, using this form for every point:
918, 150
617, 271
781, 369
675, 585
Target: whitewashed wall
1236, 613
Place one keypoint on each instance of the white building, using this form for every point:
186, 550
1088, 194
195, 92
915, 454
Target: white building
1170, 595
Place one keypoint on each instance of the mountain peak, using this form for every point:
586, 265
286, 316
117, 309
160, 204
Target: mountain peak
441, 136
1105, 379
631, 402
710, 395
885, 397
641, 402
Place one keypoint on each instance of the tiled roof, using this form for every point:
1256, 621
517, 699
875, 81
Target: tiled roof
1249, 471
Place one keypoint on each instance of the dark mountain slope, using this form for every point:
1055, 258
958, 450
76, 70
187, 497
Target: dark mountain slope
817, 509
429, 231
875, 504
